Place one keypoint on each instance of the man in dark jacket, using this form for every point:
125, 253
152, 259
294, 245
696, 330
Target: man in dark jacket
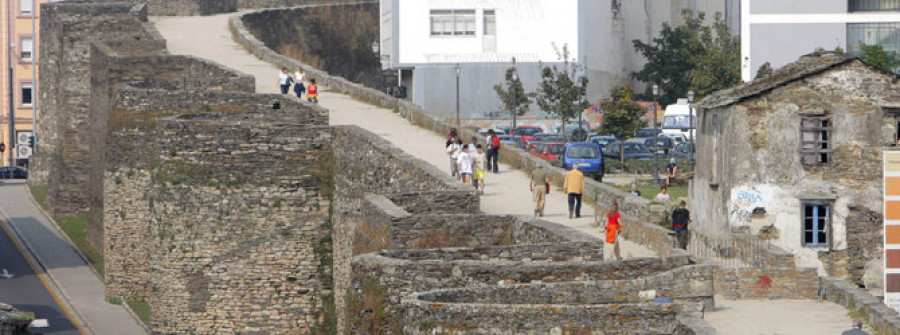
681, 217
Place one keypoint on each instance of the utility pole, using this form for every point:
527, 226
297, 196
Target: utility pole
655, 134
515, 87
9, 66
456, 69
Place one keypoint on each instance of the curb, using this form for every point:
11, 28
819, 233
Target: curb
32, 254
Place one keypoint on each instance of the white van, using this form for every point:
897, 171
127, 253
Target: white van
675, 120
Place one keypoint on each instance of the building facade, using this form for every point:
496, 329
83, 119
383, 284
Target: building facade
425, 40
18, 49
795, 157
778, 32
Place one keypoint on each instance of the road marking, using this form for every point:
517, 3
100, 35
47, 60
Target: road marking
40, 276
6, 274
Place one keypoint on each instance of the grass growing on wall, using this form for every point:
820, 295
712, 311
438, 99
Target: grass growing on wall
75, 227
141, 308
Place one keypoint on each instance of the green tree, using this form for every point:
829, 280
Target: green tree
561, 91
621, 115
877, 56
512, 94
691, 57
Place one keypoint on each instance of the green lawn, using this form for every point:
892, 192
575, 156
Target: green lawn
649, 192
75, 228
142, 309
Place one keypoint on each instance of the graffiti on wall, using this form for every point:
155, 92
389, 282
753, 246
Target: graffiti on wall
744, 200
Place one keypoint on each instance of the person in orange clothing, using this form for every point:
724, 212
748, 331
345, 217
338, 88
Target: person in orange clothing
613, 228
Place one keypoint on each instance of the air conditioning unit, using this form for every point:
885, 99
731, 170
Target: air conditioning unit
22, 137
23, 151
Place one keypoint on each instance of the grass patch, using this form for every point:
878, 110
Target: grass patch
649, 191
142, 309
75, 227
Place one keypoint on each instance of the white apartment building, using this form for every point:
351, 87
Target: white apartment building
779, 32
425, 40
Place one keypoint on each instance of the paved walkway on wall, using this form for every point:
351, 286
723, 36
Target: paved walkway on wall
506, 193
61, 266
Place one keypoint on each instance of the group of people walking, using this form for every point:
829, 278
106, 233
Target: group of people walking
286, 80
468, 162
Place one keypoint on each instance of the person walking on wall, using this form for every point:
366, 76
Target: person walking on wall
298, 83
574, 187
613, 228
671, 171
493, 151
452, 137
663, 195
478, 174
856, 330
453, 151
464, 162
285, 80
473, 150
540, 187
681, 217
312, 93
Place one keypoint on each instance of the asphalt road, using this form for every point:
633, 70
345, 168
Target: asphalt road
26, 291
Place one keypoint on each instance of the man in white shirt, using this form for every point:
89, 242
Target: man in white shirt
464, 161
453, 150
285, 80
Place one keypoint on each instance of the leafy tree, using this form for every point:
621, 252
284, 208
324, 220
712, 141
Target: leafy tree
561, 91
877, 56
691, 57
512, 94
764, 70
621, 115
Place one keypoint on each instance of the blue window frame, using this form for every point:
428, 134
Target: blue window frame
816, 222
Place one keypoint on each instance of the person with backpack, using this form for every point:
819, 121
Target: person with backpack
493, 151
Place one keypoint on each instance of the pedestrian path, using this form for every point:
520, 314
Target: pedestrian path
505, 193
71, 278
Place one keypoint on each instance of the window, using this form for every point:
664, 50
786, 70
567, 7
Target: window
27, 96
815, 140
26, 49
816, 223
25, 7
886, 34
490, 23
873, 5
453, 22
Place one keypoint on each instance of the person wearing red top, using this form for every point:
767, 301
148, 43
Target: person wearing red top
613, 228
312, 92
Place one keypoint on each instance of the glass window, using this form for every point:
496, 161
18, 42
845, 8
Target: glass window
490, 22
583, 152
27, 96
26, 49
676, 122
816, 221
25, 7
887, 35
873, 5
453, 22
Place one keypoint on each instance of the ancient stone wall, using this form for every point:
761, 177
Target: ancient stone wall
63, 155
187, 7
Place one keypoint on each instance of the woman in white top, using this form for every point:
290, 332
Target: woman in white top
465, 161
298, 82
663, 195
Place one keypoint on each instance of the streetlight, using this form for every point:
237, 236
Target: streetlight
375, 48
515, 87
692, 127
655, 134
457, 70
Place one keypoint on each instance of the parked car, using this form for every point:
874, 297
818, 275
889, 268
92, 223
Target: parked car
550, 150
12, 172
544, 137
646, 132
664, 145
602, 141
634, 149
526, 131
511, 140
497, 131
683, 150
588, 156
677, 137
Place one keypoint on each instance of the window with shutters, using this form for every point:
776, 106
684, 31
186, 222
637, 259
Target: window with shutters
453, 22
816, 223
815, 140
490, 23
26, 49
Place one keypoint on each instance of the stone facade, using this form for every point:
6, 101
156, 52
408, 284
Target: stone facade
750, 167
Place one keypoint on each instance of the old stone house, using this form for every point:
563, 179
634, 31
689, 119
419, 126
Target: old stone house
795, 157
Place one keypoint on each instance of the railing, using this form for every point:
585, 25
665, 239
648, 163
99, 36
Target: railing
739, 251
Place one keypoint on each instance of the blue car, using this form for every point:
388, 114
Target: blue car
588, 157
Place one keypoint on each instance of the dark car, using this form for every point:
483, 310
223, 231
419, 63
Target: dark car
602, 141
526, 131
664, 144
544, 137
683, 150
587, 155
646, 132
12, 172
512, 140
634, 149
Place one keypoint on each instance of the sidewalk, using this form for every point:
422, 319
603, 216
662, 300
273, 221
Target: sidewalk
74, 280
505, 193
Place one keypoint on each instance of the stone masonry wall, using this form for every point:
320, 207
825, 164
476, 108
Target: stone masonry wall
62, 158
